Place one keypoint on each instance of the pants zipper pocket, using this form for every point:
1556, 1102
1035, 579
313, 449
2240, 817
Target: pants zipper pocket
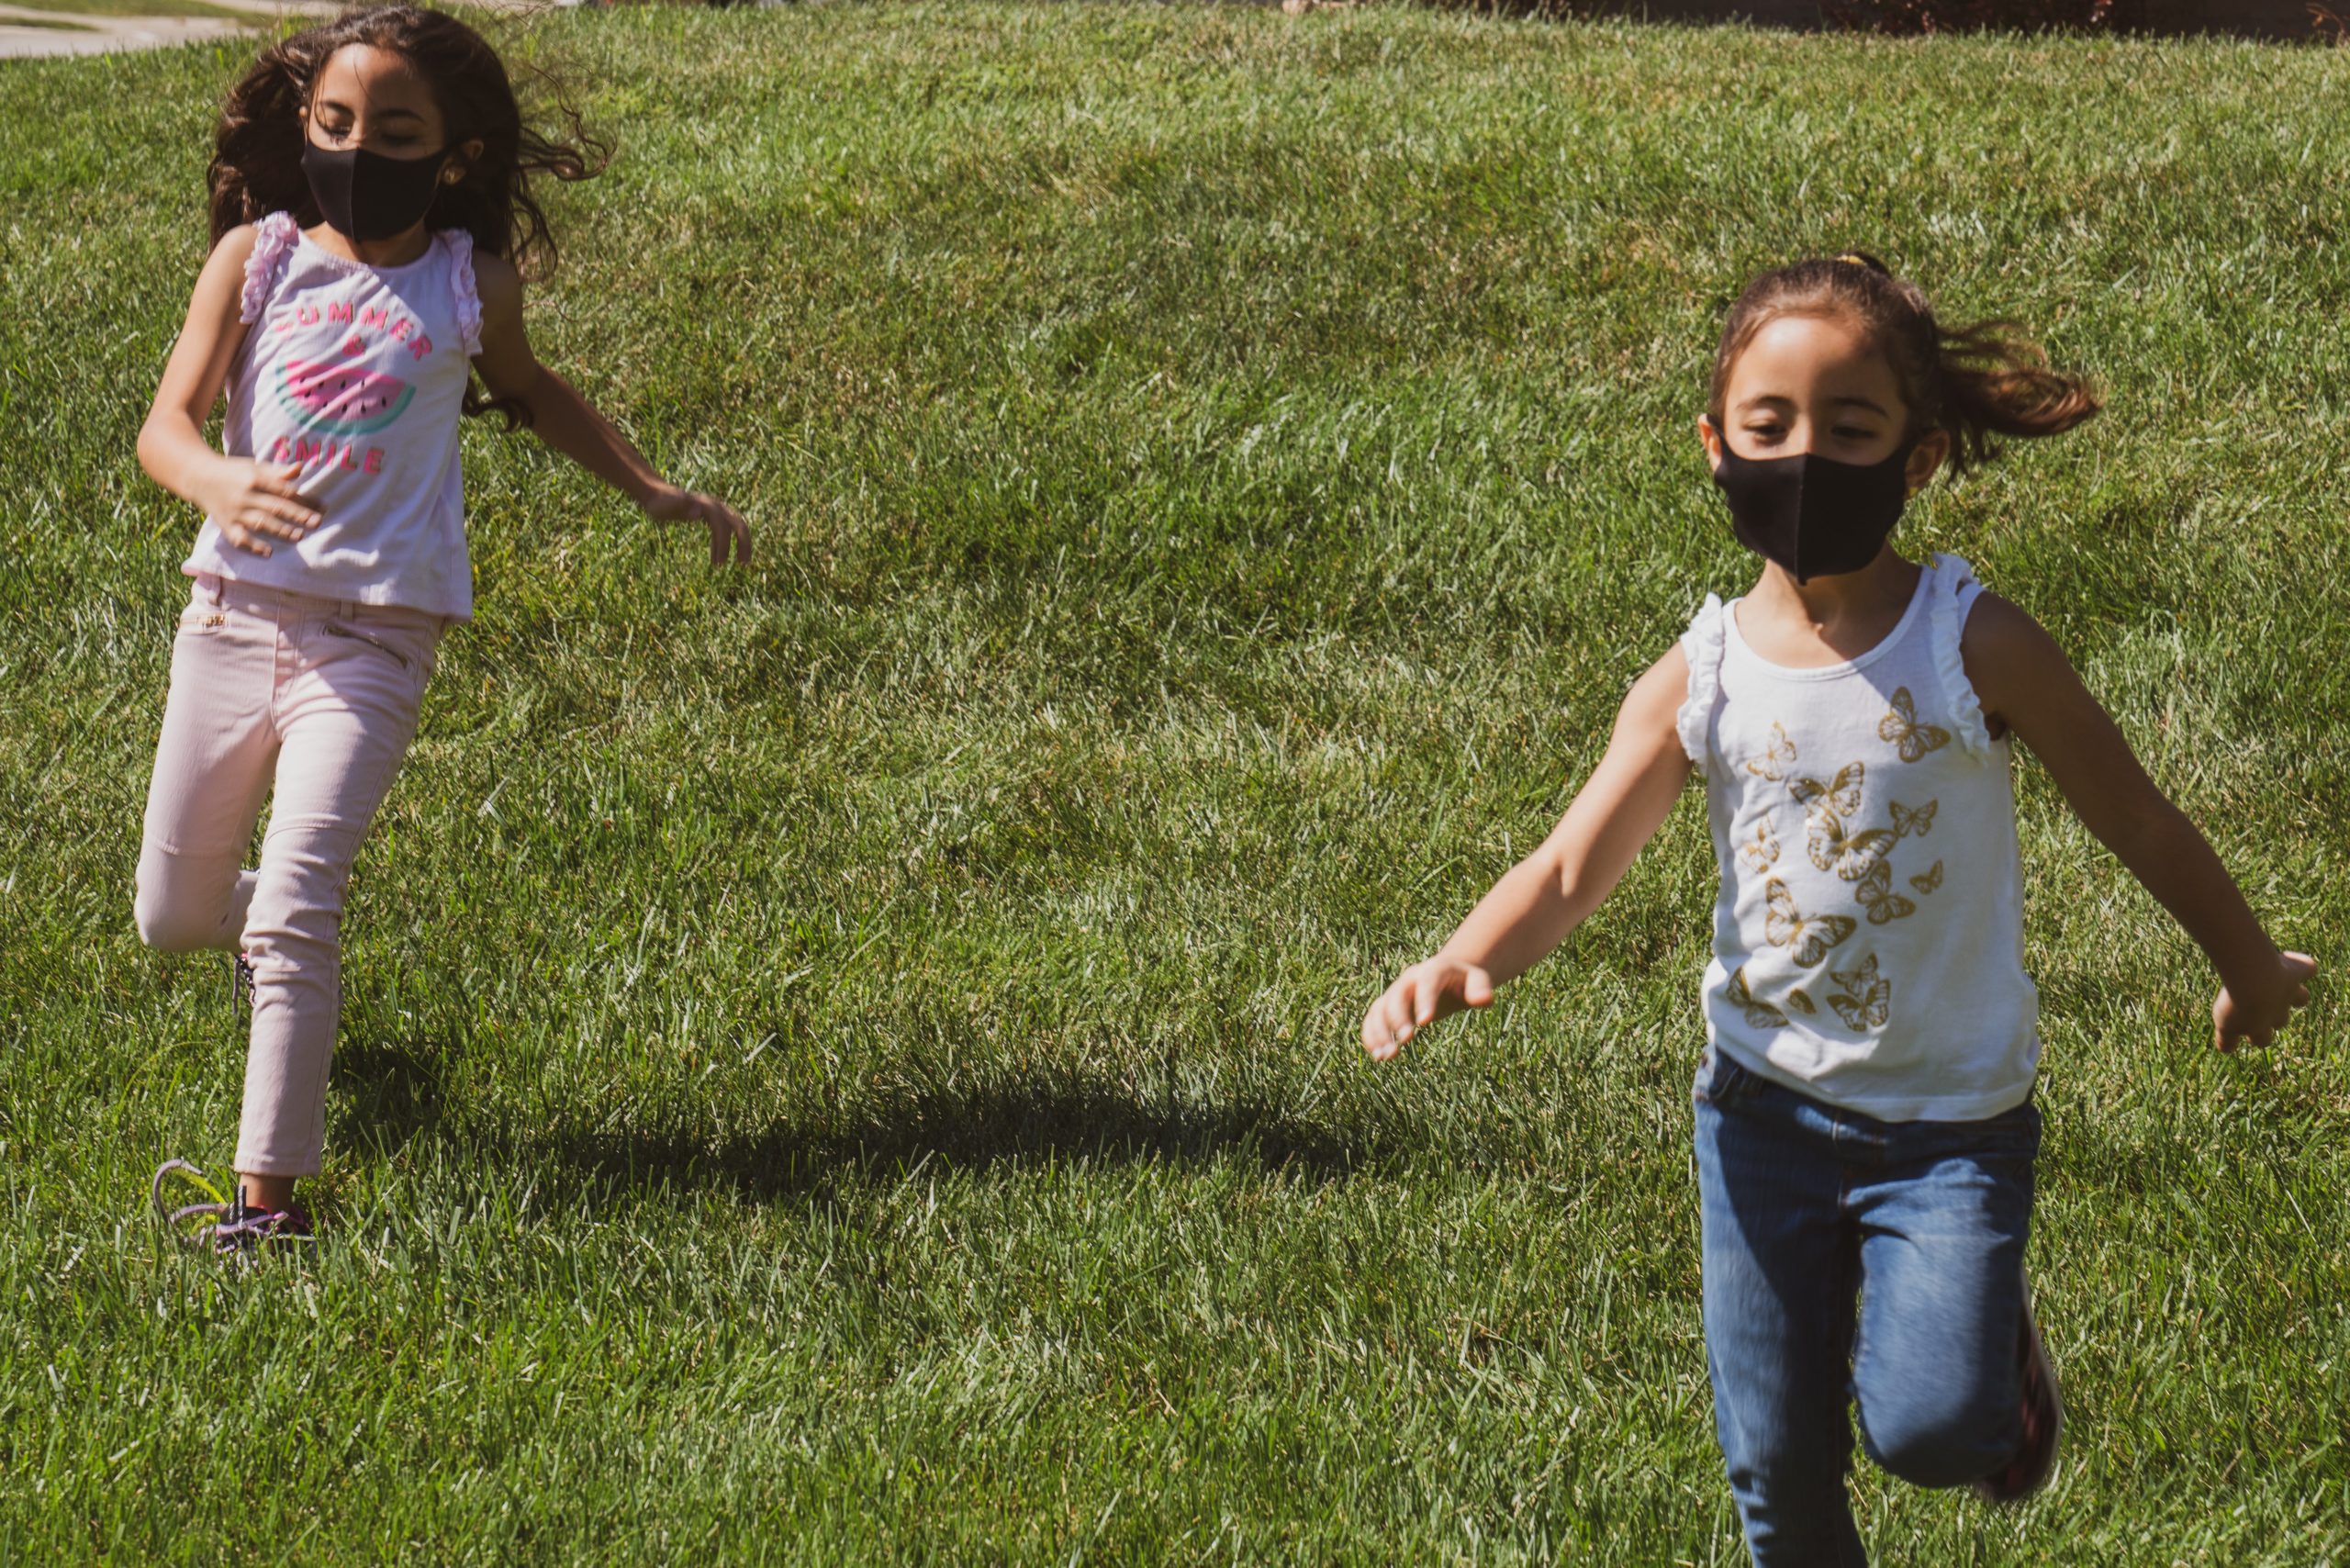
337, 629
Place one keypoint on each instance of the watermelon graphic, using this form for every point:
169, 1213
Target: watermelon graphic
342, 399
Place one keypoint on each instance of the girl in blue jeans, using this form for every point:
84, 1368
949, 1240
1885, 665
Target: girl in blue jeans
1865, 1125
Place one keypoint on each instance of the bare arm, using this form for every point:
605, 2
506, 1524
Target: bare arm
2026, 683
1545, 896
252, 501
567, 422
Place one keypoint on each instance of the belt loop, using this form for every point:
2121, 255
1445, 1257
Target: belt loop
210, 583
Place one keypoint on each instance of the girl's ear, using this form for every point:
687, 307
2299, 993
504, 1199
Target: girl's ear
1926, 457
458, 167
1712, 437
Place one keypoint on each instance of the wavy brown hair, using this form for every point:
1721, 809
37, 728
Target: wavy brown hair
257, 148
1977, 382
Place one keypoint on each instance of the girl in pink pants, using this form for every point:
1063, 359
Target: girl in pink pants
371, 202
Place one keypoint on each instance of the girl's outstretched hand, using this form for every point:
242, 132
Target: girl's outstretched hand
250, 499
1428, 990
729, 535
2258, 1013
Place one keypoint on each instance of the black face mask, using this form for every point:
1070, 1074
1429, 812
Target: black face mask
1813, 515
367, 196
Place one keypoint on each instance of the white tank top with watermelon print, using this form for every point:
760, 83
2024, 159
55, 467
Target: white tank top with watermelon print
356, 373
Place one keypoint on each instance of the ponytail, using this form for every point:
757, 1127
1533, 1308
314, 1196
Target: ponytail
1996, 381
1974, 383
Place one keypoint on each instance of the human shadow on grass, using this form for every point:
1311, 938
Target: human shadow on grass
964, 1129
397, 1095
398, 1090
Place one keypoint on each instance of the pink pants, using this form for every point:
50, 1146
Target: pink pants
325, 693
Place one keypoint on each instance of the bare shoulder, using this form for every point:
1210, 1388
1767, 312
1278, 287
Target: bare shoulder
2002, 636
237, 245
232, 253
500, 285
218, 296
2011, 661
1653, 705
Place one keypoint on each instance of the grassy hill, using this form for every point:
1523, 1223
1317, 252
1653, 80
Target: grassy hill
857, 1059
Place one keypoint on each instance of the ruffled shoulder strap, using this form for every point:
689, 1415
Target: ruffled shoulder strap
1953, 591
1702, 644
274, 239
461, 288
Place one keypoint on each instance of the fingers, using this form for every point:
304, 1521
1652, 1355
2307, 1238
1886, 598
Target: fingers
277, 479
1402, 1001
297, 517
1424, 997
730, 536
271, 520
1390, 1025
236, 535
1379, 1040
1417, 1000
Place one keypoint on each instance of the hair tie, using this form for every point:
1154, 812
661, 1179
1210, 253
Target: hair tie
1856, 258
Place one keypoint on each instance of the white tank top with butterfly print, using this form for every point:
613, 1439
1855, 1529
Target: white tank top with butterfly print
1868, 936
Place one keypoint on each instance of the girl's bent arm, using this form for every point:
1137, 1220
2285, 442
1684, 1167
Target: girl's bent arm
246, 498
1530, 910
2024, 681
569, 424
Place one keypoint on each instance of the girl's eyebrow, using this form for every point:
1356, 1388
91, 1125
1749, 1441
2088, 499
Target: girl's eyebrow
1858, 402
395, 112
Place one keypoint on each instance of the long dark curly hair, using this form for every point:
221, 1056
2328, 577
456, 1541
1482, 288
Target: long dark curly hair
1975, 383
257, 149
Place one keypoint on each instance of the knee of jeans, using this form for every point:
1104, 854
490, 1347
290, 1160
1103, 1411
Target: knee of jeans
172, 928
1947, 1443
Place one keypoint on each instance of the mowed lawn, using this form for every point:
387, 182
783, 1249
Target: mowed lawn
857, 1059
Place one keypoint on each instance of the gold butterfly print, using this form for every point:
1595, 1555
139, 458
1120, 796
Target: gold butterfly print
1866, 999
1851, 856
1920, 821
1826, 806
1930, 880
1839, 799
1762, 851
1809, 935
1876, 895
1901, 727
1780, 750
1759, 1014
1800, 1003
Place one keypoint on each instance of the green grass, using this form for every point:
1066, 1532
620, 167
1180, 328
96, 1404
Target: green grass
856, 1060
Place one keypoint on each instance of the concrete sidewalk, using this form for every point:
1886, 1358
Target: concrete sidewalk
24, 36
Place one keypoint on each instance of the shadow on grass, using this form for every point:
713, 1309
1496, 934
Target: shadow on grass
397, 1095
961, 1129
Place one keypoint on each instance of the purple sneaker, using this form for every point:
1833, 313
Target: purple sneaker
240, 985
2043, 1421
224, 1228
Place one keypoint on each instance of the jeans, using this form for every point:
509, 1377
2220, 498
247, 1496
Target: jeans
1806, 1206
320, 699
